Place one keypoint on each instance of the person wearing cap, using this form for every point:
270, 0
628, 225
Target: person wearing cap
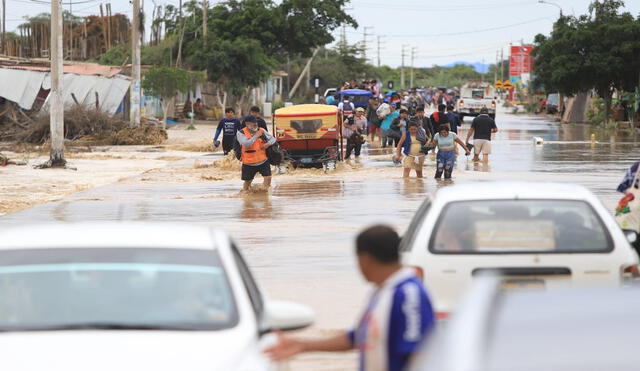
353, 129
254, 142
398, 318
446, 158
255, 112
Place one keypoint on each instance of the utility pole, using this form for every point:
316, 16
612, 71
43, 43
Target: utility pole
413, 56
56, 103
404, 54
502, 63
343, 38
379, 43
495, 68
4, 22
365, 36
135, 92
205, 15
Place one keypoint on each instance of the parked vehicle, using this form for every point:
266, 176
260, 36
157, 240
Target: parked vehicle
310, 134
474, 97
569, 329
540, 235
553, 103
359, 97
135, 297
330, 91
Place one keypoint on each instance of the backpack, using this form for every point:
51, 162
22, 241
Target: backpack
275, 155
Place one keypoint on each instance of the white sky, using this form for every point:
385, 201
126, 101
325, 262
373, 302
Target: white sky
441, 31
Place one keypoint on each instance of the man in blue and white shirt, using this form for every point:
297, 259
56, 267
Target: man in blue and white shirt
398, 317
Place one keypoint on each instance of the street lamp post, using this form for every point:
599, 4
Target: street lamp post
550, 3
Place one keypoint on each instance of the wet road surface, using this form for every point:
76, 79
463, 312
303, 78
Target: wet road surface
298, 239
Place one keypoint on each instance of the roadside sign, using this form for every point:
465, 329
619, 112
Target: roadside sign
316, 81
498, 84
507, 85
390, 85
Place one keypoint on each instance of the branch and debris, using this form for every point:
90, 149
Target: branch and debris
81, 124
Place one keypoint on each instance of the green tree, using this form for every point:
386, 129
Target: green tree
247, 38
165, 83
598, 51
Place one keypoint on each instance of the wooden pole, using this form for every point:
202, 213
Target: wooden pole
56, 103
135, 67
205, 10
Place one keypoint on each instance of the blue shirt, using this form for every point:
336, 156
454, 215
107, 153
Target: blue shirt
229, 128
397, 319
454, 121
386, 122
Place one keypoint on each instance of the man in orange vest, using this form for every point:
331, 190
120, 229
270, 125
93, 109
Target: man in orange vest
254, 142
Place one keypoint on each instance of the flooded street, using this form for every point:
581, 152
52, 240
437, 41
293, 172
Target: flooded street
298, 239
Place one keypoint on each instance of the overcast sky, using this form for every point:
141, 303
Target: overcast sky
440, 31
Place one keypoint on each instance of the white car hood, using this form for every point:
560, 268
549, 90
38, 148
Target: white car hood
129, 350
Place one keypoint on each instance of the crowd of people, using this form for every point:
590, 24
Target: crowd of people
413, 134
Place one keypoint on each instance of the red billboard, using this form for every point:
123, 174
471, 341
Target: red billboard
521, 60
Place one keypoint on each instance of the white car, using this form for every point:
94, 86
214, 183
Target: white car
133, 297
538, 235
573, 329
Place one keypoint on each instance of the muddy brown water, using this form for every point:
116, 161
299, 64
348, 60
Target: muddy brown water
298, 239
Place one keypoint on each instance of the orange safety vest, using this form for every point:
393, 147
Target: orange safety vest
253, 154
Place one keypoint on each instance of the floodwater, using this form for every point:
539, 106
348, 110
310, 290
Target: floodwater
298, 239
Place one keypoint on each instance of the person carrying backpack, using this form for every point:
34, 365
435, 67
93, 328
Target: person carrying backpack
254, 153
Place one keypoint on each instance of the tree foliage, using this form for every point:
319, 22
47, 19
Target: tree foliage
166, 82
600, 50
246, 39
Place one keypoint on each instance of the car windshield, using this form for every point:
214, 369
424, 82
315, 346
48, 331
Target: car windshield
515, 226
168, 289
477, 94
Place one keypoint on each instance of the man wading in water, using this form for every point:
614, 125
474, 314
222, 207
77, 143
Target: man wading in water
254, 142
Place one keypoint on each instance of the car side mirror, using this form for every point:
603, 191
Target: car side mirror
286, 316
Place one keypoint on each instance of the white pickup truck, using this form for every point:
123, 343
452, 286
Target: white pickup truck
474, 97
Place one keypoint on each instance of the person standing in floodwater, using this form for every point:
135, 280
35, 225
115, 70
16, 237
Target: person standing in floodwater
446, 158
397, 319
254, 142
411, 144
228, 126
481, 128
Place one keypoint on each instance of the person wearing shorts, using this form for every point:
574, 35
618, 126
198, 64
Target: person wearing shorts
481, 128
254, 142
410, 144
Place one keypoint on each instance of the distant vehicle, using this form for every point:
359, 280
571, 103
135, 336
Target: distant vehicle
570, 330
553, 102
541, 235
310, 134
330, 91
359, 97
474, 97
133, 296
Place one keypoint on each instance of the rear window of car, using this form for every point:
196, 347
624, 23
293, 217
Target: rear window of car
519, 226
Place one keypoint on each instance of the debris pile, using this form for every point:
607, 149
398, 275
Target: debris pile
89, 126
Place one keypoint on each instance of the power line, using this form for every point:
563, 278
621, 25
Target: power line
474, 31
